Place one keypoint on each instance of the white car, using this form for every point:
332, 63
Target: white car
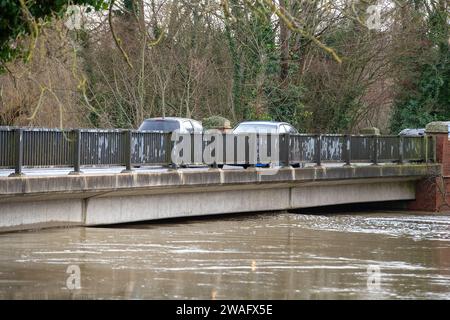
412, 132
172, 124
265, 127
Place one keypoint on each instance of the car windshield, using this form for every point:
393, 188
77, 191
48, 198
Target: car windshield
255, 127
160, 125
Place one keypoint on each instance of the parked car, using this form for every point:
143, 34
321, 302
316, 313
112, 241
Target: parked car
412, 132
272, 127
264, 126
171, 124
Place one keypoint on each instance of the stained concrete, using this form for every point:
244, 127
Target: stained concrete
117, 198
437, 127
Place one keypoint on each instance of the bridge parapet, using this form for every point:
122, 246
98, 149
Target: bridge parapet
26, 147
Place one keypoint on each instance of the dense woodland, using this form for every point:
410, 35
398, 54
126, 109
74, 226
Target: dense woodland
322, 65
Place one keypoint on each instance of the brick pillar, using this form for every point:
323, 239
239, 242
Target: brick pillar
433, 193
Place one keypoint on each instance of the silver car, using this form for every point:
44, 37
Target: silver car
265, 127
412, 132
171, 124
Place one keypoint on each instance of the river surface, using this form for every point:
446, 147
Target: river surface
389, 255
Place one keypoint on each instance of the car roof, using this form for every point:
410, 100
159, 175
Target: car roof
171, 118
417, 131
413, 129
263, 122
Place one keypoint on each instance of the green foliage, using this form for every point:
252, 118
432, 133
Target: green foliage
21, 18
286, 105
252, 45
200, 61
214, 122
333, 93
259, 93
428, 98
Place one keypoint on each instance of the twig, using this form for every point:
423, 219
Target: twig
290, 23
116, 39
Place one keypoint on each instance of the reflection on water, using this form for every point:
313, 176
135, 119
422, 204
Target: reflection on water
264, 256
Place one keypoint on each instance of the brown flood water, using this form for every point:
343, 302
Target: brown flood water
259, 256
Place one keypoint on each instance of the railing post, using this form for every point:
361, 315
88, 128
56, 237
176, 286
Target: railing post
168, 146
401, 150
348, 150
247, 151
18, 153
424, 149
318, 150
224, 138
193, 149
375, 150
76, 153
285, 151
127, 151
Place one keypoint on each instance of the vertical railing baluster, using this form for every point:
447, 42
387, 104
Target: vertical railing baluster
76, 136
318, 150
127, 143
348, 150
168, 150
401, 150
284, 143
247, 151
375, 143
423, 153
192, 143
224, 136
18, 153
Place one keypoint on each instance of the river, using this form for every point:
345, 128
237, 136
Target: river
358, 255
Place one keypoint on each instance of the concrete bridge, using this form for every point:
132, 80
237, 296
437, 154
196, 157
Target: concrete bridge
35, 201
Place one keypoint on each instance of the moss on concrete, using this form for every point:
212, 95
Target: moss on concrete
437, 127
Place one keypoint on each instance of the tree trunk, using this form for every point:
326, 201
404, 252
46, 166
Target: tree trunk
284, 45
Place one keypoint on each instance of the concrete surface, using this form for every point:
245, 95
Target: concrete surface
97, 199
437, 127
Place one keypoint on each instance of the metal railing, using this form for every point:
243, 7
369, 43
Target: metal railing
25, 147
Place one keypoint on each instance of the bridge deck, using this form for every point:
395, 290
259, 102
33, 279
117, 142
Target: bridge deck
96, 199
84, 185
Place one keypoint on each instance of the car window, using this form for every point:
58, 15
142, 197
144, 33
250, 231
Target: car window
291, 129
197, 126
283, 129
160, 125
187, 125
255, 127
